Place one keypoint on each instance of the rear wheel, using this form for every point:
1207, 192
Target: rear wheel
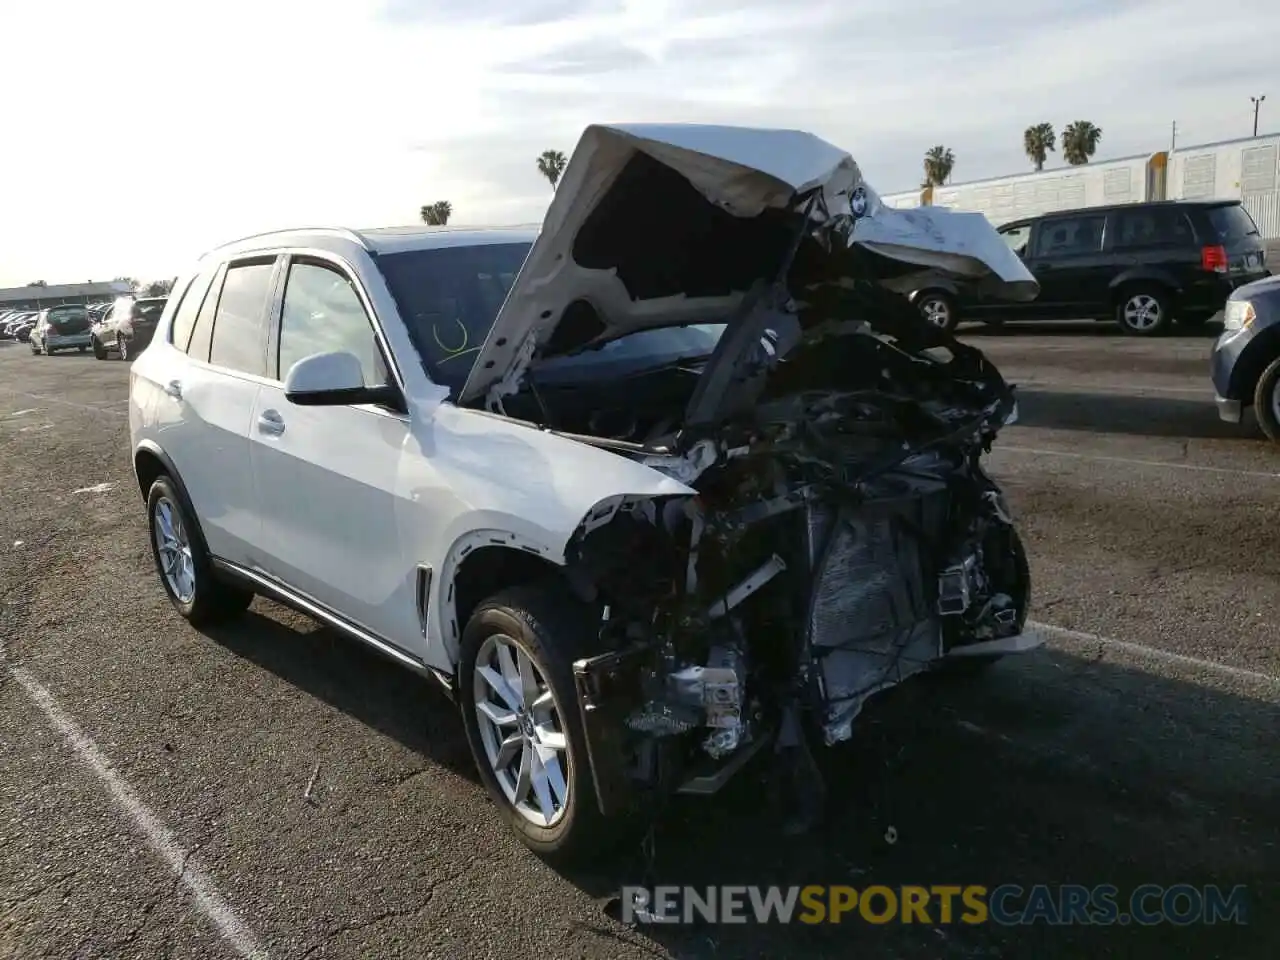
520, 711
183, 561
99, 351
1266, 401
1144, 311
83, 349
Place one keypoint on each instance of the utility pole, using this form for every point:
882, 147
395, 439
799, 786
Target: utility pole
1173, 137
1257, 102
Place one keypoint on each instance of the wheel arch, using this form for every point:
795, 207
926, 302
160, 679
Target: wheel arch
1262, 350
479, 564
1143, 276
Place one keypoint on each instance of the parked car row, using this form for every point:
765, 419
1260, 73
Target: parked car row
17, 324
122, 327
1143, 265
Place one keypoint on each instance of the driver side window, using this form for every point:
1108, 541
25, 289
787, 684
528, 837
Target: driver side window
322, 313
1016, 238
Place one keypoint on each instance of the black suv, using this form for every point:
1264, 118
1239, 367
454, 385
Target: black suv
1140, 264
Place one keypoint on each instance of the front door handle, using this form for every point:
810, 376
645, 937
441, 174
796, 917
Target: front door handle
174, 389
270, 422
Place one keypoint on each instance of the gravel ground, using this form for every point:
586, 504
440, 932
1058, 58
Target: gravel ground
152, 787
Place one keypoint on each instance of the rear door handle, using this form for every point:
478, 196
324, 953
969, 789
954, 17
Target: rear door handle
270, 422
174, 389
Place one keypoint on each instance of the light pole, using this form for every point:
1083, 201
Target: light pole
1257, 102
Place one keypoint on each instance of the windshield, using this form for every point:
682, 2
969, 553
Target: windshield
1232, 222
449, 298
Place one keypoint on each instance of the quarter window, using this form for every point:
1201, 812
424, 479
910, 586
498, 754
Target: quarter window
1152, 227
322, 313
239, 324
184, 318
203, 332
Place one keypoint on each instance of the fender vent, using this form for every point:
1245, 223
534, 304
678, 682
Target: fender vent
423, 595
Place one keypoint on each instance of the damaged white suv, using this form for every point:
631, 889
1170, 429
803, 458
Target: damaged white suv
679, 476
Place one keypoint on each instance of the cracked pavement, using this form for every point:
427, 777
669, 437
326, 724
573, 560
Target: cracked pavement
1084, 762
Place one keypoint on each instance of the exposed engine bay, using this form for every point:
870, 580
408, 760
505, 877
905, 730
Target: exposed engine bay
844, 538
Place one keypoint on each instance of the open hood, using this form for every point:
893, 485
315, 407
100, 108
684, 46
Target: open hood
657, 225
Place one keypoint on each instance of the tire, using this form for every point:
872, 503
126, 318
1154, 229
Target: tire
83, 349
1266, 401
1144, 310
99, 351
122, 345
938, 309
34, 349
546, 627
208, 600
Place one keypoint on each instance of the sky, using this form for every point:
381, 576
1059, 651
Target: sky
137, 134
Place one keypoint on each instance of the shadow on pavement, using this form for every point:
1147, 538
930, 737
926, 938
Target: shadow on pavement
1049, 768
1146, 416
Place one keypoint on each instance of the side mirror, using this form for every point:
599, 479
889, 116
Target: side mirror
334, 380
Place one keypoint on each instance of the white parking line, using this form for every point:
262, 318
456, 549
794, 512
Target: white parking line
1040, 452
209, 901
1156, 652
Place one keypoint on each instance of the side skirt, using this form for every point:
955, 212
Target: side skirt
282, 593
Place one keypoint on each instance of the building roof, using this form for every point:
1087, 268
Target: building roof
60, 290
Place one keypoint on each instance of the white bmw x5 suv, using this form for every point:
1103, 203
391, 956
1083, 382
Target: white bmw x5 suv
678, 476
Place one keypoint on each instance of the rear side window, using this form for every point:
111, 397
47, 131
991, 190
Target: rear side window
1070, 236
184, 318
240, 324
1151, 227
1231, 222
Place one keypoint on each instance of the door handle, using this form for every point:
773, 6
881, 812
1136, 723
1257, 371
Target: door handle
174, 389
270, 422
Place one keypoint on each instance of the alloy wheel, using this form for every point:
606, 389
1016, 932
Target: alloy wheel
520, 725
1142, 312
937, 311
174, 546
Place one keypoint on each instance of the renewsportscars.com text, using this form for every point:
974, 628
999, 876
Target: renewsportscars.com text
1006, 905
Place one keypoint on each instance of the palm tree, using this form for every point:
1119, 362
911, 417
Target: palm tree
437, 214
1080, 141
551, 164
938, 163
1038, 140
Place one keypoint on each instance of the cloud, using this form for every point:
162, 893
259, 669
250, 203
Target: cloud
272, 114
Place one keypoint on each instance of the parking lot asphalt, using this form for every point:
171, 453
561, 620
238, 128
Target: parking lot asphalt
153, 779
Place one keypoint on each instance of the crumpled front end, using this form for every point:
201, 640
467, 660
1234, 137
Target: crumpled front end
844, 538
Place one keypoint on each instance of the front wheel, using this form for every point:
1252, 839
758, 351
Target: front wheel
1144, 311
99, 351
939, 309
1266, 401
520, 711
123, 346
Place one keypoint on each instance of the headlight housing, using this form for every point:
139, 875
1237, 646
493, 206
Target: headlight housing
1237, 315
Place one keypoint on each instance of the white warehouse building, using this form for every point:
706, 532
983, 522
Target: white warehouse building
1247, 170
